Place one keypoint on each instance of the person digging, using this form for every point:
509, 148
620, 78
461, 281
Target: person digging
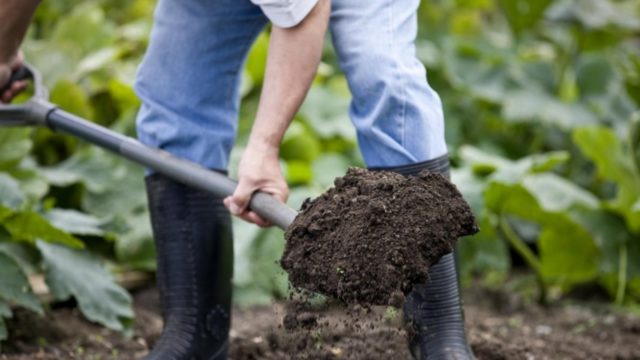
189, 85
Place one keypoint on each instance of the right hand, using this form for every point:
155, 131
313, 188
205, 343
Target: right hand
6, 69
259, 170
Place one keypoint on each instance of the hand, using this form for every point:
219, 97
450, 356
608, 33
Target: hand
6, 69
259, 170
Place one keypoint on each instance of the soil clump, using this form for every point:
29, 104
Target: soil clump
375, 234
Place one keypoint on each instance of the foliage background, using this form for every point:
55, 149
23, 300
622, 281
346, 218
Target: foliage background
541, 104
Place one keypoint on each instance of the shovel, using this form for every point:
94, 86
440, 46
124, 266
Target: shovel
40, 112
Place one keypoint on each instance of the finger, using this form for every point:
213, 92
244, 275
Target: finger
17, 61
253, 217
239, 201
18, 86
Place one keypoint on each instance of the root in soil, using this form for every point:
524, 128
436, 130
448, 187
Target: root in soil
374, 235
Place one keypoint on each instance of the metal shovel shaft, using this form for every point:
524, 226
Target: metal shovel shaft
161, 161
38, 111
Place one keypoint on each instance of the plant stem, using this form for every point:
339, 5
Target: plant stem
529, 257
622, 274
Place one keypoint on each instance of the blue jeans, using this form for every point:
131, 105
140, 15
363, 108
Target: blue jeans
190, 77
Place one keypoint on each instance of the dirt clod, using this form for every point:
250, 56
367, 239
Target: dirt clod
374, 235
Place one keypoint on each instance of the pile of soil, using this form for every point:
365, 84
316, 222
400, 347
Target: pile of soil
374, 235
500, 325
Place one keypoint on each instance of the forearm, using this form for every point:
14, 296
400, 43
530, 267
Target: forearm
292, 62
15, 16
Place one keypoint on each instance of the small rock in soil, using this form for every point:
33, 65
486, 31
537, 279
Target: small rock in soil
375, 234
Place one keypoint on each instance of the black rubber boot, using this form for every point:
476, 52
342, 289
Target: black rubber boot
192, 231
434, 310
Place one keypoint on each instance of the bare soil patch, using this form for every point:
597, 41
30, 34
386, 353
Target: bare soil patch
500, 326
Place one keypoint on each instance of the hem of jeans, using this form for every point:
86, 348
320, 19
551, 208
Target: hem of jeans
438, 165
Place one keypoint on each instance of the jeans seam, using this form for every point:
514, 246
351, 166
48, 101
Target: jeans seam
402, 96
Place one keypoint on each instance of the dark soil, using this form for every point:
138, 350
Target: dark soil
500, 325
374, 235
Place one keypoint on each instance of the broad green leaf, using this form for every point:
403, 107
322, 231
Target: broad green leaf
32, 183
86, 28
298, 172
471, 186
78, 273
71, 97
596, 14
634, 140
14, 286
534, 105
265, 254
484, 251
603, 147
257, 58
328, 167
567, 253
30, 226
523, 14
299, 144
25, 255
135, 246
124, 194
327, 114
10, 193
505, 170
89, 166
14, 145
5, 312
244, 235
75, 222
557, 194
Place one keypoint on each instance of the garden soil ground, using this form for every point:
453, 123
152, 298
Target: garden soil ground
500, 325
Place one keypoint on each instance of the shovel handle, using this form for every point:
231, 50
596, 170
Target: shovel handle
22, 73
38, 111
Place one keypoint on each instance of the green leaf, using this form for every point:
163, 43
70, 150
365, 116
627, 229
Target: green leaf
75, 222
554, 193
509, 171
14, 286
328, 167
77, 273
534, 105
32, 183
634, 140
30, 226
86, 28
14, 145
72, 98
298, 172
326, 113
10, 193
123, 194
596, 14
134, 245
471, 186
299, 144
567, 253
484, 251
524, 14
88, 166
603, 147
257, 58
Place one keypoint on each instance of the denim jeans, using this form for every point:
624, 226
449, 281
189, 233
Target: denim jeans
190, 77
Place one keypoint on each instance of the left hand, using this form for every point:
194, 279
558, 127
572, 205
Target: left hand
6, 69
259, 170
